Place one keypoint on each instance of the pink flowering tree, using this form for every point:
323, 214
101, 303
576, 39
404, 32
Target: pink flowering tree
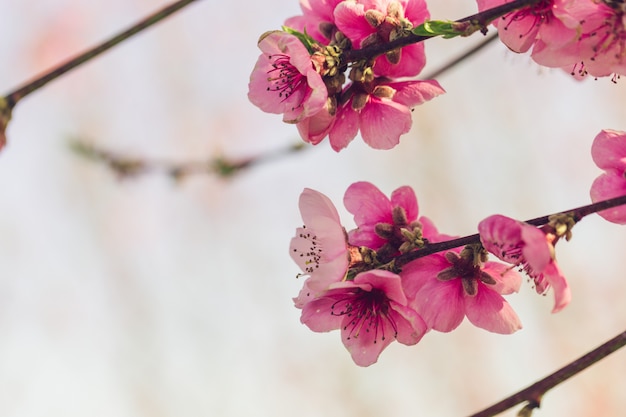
347, 69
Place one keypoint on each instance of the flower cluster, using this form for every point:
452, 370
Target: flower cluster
301, 72
582, 36
369, 283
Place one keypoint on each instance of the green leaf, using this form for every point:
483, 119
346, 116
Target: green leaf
446, 28
306, 40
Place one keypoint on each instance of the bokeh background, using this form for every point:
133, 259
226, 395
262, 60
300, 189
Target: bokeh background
147, 297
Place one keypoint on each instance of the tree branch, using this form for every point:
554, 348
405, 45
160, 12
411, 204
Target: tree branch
479, 20
535, 392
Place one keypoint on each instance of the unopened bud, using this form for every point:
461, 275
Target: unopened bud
374, 18
394, 56
359, 101
384, 91
384, 230
398, 214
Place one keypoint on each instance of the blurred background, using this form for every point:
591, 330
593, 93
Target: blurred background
149, 297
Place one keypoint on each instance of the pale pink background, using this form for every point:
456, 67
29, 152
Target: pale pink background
147, 298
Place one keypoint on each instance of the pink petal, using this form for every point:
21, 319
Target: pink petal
388, 282
366, 236
440, 303
507, 279
350, 20
306, 102
556, 57
268, 101
499, 234
367, 203
607, 186
416, 274
412, 61
315, 205
304, 296
410, 325
315, 128
490, 311
562, 294
536, 251
345, 128
416, 11
412, 93
317, 315
405, 197
609, 150
365, 349
518, 34
383, 121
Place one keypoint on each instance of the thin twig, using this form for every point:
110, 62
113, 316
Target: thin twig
577, 213
127, 167
482, 19
535, 392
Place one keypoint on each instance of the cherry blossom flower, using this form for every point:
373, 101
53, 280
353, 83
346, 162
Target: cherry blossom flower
446, 288
609, 153
601, 45
536, 27
529, 248
286, 78
381, 110
319, 248
371, 312
370, 22
387, 225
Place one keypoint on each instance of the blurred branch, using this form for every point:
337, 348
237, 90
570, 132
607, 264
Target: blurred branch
13, 97
534, 393
454, 62
126, 167
8, 102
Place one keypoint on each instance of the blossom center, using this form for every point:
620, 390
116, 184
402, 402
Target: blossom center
367, 312
284, 78
610, 36
467, 270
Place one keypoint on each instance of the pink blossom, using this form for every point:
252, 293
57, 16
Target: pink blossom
369, 22
371, 312
317, 19
601, 45
529, 248
445, 288
609, 153
536, 27
319, 247
381, 110
382, 222
286, 78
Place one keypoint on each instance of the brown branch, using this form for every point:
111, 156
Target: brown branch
127, 167
477, 21
534, 393
578, 213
